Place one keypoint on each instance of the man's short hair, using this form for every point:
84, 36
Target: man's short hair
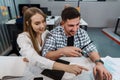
70, 13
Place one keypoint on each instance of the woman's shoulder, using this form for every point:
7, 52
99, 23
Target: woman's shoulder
24, 35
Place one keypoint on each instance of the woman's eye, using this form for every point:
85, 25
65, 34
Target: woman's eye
43, 21
37, 23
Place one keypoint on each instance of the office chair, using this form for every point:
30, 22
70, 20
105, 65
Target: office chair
83, 27
14, 35
19, 26
44, 9
49, 13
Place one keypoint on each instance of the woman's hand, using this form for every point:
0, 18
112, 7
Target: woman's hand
75, 69
25, 60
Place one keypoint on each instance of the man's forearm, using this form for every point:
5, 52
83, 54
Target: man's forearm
53, 55
94, 56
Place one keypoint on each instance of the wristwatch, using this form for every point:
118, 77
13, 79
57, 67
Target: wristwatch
99, 60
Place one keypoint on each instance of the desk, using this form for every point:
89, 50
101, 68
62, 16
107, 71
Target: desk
83, 24
56, 21
112, 64
51, 22
18, 67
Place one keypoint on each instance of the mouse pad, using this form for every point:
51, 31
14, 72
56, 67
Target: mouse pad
55, 74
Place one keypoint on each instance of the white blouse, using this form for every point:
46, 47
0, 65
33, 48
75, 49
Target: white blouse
27, 50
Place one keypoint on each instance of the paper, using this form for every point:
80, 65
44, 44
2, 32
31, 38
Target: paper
87, 75
11, 66
82, 61
112, 66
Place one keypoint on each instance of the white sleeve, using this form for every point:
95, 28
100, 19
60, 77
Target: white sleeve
27, 50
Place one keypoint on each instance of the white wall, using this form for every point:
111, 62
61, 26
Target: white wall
96, 14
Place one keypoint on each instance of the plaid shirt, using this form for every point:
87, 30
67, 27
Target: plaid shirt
57, 39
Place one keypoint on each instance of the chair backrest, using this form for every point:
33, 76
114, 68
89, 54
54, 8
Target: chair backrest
19, 26
44, 9
14, 35
19, 23
49, 13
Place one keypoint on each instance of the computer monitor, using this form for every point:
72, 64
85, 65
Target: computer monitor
118, 30
20, 6
44, 9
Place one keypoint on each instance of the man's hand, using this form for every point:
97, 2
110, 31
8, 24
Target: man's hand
65, 51
71, 51
101, 73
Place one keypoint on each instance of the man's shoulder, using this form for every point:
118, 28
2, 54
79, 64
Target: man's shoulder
57, 30
80, 30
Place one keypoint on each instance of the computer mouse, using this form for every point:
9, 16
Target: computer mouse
52, 17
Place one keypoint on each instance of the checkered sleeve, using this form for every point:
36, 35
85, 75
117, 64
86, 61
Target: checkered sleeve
49, 44
86, 40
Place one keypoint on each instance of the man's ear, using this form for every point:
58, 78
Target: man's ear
62, 23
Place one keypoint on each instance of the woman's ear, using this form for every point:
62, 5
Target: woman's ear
27, 23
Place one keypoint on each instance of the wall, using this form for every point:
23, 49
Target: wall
96, 14
10, 3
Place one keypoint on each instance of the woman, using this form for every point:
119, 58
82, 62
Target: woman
32, 40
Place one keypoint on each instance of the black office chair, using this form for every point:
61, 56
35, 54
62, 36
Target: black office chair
49, 13
83, 27
44, 9
14, 35
19, 26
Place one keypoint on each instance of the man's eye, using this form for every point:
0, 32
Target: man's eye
71, 25
77, 24
36, 24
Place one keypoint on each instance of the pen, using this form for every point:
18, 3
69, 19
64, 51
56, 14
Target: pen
85, 47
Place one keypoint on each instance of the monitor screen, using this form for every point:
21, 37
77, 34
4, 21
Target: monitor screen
20, 6
118, 30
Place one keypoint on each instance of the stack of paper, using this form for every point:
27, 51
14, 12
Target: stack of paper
11, 66
113, 66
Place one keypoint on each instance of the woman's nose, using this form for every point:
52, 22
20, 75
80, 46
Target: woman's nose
42, 25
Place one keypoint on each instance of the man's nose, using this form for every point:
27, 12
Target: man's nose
75, 28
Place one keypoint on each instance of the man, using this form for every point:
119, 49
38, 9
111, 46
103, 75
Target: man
58, 43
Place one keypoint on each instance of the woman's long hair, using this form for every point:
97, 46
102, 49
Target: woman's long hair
28, 27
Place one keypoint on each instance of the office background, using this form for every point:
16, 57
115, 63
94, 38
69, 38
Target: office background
96, 14
7, 11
